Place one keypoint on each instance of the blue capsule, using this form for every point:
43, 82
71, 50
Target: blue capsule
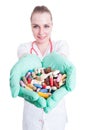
44, 90
31, 71
37, 85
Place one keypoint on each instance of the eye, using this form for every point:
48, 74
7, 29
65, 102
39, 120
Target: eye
46, 26
35, 26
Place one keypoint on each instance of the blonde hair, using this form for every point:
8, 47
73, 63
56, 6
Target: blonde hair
41, 9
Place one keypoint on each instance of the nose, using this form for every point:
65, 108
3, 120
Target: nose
41, 30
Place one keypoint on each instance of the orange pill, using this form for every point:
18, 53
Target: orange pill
45, 95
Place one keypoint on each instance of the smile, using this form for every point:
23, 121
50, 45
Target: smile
41, 37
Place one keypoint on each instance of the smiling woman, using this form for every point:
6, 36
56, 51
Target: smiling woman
41, 23
35, 118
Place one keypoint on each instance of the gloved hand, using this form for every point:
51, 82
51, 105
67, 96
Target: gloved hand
19, 70
56, 61
53, 60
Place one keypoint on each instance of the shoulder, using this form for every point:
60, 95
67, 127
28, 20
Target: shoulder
62, 47
23, 49
60, 43
24, 45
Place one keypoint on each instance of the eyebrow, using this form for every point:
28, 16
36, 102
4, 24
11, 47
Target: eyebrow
34, 24
44, 24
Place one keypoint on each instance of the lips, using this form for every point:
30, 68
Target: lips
41, 37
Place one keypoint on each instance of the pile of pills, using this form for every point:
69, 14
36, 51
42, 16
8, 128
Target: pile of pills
44, 81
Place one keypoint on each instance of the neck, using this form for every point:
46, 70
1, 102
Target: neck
43, 47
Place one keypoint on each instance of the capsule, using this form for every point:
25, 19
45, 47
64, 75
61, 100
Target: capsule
53, 89
44, 76
29, 80
64, 76
55, 83
51, 80
44, 90
59, 78
22, 83
25, 80
47, 70
44, 85
28, 88
44, 95
33, 75
34, 81
27, 75
37, 85
31, 71
31, 86
55, 73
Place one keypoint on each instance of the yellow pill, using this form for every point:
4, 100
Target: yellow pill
28, 88
31, 86
45, 95
64, 76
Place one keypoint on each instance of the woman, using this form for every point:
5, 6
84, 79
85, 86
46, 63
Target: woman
35, 118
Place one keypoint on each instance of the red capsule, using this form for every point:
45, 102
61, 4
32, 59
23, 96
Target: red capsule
29, 80
44, 85
51, 80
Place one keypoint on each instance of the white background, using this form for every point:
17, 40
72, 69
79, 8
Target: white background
69, 18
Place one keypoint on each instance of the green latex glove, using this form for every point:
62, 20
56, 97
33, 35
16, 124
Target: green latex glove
31, 61
19, 70
56, 61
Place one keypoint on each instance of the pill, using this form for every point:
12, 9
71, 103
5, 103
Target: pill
44, 76
54, 88
44, 85
28, 88
54, 73
55, 83
59, 77
38, 89
27, 75
22, 83
47, 70
47, 81
64, 76
34, 81
51, 80
43, 90
60, 83
31, 71
31, 86
45, 95
37, 85
29, 80
24, 80
33, 74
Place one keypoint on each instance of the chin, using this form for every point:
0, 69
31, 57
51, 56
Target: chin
42, 40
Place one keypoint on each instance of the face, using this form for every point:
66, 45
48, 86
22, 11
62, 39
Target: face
41, 24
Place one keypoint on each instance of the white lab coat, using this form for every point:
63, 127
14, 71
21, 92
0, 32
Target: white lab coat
35, 118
